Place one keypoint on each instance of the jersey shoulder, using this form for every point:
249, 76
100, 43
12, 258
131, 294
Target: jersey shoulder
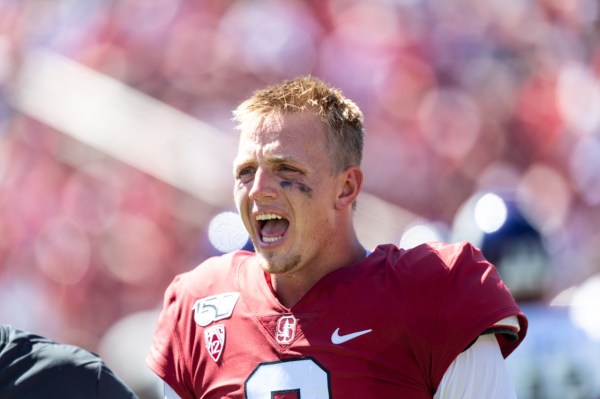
215, 274
454, 281
431, 262
214, 279
455, 273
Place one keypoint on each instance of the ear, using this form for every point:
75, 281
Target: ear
351, 181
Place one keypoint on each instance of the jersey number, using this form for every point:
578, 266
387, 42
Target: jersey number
288, 379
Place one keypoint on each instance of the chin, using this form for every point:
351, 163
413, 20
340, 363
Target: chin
279, 266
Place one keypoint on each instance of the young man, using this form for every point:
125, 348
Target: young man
312, 314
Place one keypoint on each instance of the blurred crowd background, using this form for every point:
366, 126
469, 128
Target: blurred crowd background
116, 140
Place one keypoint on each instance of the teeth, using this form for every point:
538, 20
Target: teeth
271, 239
268, 216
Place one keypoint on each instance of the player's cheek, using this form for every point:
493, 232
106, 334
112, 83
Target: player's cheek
240, 192
240, 196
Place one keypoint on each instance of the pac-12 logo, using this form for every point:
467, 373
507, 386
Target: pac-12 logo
286, 329
214, 340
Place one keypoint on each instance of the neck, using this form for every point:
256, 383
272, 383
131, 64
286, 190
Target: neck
292, 286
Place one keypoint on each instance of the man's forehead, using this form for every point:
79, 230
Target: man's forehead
277, 136
270, 151
272, 122
277, 121
268, 131
254, 126
265, 139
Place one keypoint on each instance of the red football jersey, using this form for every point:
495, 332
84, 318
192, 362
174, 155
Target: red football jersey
386, 327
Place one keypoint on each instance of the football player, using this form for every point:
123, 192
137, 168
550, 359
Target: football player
310, 313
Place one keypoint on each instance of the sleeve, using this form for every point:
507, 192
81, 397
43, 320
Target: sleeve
168, 357
479, 372
472, 299
35, 366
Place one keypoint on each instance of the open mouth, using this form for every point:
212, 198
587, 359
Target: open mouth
271, 227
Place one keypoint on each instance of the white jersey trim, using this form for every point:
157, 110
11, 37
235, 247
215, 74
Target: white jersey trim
478, 372
511, 322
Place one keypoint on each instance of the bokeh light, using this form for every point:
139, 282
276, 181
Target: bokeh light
490, 212
585, 304
226, 232
421, 232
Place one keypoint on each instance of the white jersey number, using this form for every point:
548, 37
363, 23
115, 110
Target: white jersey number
295, 378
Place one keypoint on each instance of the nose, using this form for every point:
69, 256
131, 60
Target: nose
263, 186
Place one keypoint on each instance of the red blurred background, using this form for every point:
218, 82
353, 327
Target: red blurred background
116, 137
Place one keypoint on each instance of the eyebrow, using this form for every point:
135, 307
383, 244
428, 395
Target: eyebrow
278, 159
240, 163
271, 159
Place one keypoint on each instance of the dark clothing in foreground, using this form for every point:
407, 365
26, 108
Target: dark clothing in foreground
32, 366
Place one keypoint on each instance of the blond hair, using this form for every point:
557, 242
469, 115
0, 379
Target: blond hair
341, 117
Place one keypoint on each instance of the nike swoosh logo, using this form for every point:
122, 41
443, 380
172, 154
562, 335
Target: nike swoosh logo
337, 339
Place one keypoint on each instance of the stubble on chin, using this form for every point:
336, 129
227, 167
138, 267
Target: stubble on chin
273, 266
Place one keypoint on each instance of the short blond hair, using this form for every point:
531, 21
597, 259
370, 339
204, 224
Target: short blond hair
342, 118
